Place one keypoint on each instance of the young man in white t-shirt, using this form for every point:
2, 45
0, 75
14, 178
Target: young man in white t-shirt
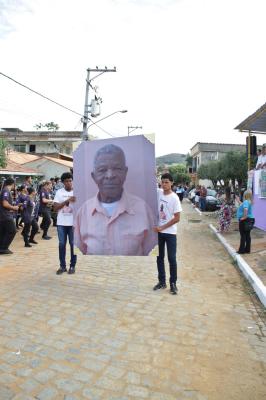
169, 215
62, 204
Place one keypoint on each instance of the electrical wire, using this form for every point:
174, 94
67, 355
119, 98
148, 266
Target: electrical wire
55, 102
39, 94
108, 133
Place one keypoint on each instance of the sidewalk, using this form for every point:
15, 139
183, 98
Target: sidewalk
104, 334
257, 258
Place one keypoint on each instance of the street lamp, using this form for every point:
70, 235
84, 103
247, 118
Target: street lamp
133, 128
107, 116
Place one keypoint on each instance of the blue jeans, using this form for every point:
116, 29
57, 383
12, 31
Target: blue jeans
202, 203
170, 241
64, 232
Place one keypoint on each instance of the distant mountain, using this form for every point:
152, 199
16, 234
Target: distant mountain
173, 158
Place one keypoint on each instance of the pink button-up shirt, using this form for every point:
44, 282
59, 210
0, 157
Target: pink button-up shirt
127, 232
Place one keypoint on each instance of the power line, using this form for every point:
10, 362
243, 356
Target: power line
39, 94
55, 102
98, 126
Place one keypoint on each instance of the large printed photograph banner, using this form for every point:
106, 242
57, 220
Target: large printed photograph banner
116, 196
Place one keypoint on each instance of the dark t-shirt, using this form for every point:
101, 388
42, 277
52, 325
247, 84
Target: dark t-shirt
44, 195
4, 212
28, 210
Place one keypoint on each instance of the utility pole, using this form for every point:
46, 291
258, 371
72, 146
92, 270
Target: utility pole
86, 118
133, 128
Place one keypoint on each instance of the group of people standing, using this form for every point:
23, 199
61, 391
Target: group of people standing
28, 204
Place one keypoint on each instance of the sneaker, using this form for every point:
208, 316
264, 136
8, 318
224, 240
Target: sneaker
71, 270
61, 271
33, 241
46, 237
173, 288
27, 245
6, 251
160, 285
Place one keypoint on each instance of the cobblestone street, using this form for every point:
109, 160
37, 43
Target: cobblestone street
103, 333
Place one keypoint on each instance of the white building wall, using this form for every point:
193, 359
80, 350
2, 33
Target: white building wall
44, 147
48, 168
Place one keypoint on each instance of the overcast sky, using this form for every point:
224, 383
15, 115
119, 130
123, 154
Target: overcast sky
187, 70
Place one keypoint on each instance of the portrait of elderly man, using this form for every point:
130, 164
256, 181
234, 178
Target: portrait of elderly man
114, 222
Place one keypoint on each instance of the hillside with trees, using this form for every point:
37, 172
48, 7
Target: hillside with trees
173, 158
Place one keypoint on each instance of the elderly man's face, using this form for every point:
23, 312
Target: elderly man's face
109, 174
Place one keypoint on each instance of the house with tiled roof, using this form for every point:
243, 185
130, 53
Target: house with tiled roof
44, 166
17, 170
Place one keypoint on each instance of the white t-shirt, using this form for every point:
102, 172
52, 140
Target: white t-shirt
168, 205
110, 208
261, 160
65, 214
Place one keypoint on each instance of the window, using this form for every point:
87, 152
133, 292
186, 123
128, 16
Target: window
32, 148
20, 147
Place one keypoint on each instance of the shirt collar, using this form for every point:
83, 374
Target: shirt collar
123, 206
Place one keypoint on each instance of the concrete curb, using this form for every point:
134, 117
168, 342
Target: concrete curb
194, 208
249, 274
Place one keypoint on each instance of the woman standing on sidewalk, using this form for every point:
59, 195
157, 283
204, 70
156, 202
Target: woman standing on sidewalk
246, 219
225, 212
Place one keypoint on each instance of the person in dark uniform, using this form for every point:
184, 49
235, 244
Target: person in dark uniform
7, 223
29, 219
21, 196
45, 208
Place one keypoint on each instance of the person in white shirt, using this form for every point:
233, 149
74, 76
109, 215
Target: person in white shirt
62, 204
169, 215
261, 163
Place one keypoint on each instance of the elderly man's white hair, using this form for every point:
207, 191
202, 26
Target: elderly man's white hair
109, 149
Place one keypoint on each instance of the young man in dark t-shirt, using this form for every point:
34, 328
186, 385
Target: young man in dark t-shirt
7, 223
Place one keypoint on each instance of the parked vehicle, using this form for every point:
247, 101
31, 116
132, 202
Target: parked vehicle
212, 201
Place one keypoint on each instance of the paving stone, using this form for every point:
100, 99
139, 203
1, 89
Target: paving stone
6, 393
7, 378
48, 393
137, 391
115, 373
107, 383
29, 385
94, 365
44, 376
85, 377
133, 378
22, 396
93, 394
68, 385
62, 368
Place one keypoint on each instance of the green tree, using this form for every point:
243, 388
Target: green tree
234, 168
38, 126
3, 158
189, 160
51, 126
179, 173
